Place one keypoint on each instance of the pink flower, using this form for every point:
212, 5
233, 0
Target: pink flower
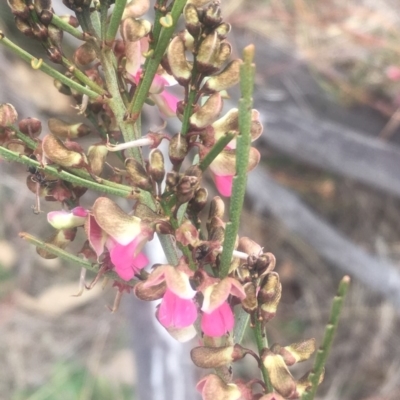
177, 309
217, 316
123, 235
212, 387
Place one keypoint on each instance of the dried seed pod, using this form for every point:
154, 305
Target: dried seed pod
192, 21
177, 62
55, 36
186, 188
23, 26
19, 8
214, 357
225, 79
269, 296
296, 352
216, 229
138, 175
133, 30
151, 293
136, 8
8, 115
208, 53
250, 303
199, 200
63, 130
217, 208
212, 15
59, 154
223, 30
171, 181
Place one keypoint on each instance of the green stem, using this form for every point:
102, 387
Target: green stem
82, 180
323, 351
215, 150
130, 132
115, 20
247, 71
65, 255
157, 26
83, 77
151, 68
262, 343
188, 109
104, 6
40, 64
65, 26
241, 322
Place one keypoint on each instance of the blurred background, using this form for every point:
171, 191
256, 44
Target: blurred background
325, 201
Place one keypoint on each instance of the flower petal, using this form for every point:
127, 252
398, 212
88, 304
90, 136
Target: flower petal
63, 219
96, 236
166, 103
224, 184
218, 322
176, 312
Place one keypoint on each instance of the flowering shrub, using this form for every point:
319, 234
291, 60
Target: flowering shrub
213, 277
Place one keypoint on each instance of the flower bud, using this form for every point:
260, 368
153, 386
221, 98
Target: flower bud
216, 229
192, 21
31, 127
55, 36
171, 181
225, 79
207, 113
250, 247
138, 175
207, 54
19, 8
84, 54
212, 15
269, 296
59, 154
156, 165
199, 200
133, 30
60, 239
265, 263
66, 220
177, 62
281, 379
212, 387
18, 146
63, 130
296, 352
8, 115
136, 8
151, 293
224, 53
187, 234
214, 357
97, 155
178, 148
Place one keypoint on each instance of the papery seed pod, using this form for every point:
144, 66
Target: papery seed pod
56, 152
207, 113
214, 357
136, 8
188, 41
212, 15
223, 30
60, 239
250, 303
40, 32
194, 170
208, 53
133, 30
97, 154
63, 89
138, 175
249, 246
192, 21
212, 387
18, 146
296, 352
199, 200
177, 61
31, 127
216, 229
187, 234
54, 54
23, 26
281, 379
178, 149
8, 115
84, 54
63, 130
225, 79
19, 8
151, 293
224, 53
70, 19
265, 263
156, 165
186, 188
304, 384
